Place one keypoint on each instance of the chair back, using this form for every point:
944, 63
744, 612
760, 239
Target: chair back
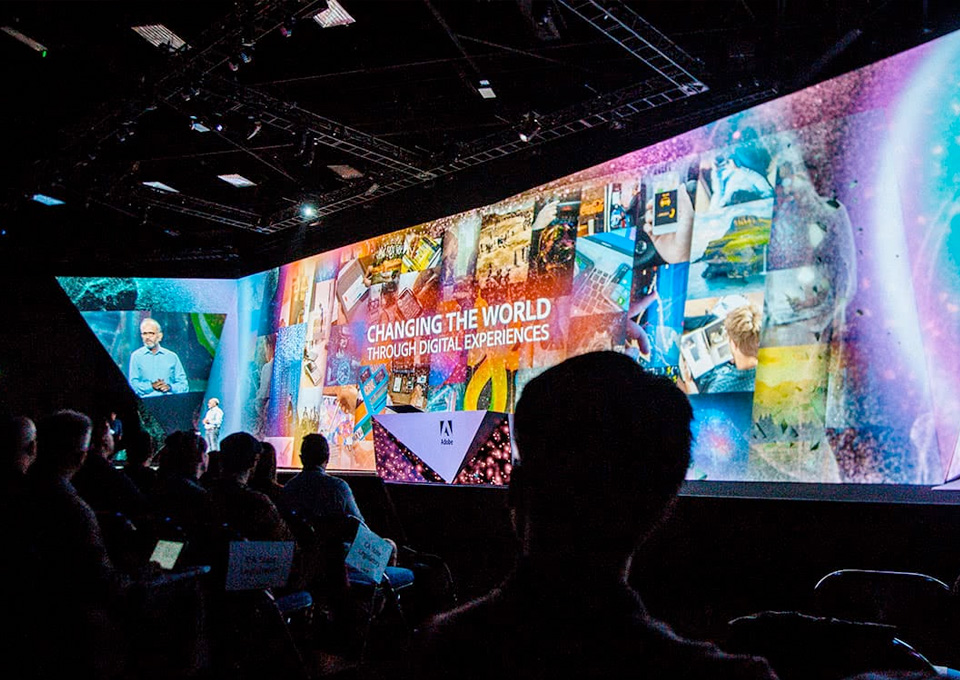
891, 597
921, 608
803, 647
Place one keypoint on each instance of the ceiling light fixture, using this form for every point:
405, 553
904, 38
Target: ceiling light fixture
485, 90
238, 181
346, 171
334, 15
159, 35
160, 186
29, 42
198, 125
46, 200
308, 211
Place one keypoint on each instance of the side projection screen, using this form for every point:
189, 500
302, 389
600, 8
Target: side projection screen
792, 267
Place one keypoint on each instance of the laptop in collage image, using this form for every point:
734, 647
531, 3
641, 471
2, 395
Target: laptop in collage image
604, 272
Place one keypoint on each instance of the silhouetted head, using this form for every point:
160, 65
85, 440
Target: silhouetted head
18, 443
139, 447
238, 455
266, 470
101, 438
604, 447
62, 441
184, 454
314, 451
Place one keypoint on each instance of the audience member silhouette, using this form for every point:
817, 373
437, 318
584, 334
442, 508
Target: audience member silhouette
139, 459
75, 588
264, 477
313, 492
179, 496
18, 446
105, 488
248, 512
604, 447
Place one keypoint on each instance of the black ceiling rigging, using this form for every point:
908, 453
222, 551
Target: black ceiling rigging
416, 93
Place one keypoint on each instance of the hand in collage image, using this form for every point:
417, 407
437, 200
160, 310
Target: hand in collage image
655, 315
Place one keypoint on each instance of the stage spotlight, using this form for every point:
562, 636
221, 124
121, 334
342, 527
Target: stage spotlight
529, 127
311, 155
190, 92
256, 126
308, 211
286, 28
304, 142
126, 132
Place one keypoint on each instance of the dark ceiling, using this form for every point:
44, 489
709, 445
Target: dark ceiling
393, 95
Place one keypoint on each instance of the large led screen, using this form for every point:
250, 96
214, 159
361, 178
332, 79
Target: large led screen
792, 267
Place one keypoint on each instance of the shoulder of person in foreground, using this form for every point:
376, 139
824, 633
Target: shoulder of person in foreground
701, 659
511, 640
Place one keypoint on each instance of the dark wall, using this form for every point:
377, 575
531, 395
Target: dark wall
49, 358
714, 558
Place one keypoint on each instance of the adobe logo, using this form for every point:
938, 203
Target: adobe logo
446, 432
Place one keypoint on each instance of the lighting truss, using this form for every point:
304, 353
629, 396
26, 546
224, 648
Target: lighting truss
251, 22
614, 108
272, 112
198, 207
400, 168
641, 39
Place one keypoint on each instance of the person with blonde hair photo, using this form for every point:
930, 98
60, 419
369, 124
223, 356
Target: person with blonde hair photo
742, 327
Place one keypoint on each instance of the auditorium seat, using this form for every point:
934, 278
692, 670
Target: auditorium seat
922, 608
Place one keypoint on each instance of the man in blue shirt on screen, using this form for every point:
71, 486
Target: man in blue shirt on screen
155, 370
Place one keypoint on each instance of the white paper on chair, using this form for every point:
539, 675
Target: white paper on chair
253, 565
369, 554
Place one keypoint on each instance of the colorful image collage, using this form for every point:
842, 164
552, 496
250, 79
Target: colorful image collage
782, 265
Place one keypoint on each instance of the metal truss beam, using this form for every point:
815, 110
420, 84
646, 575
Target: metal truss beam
282, 115
617, 106
640, 38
